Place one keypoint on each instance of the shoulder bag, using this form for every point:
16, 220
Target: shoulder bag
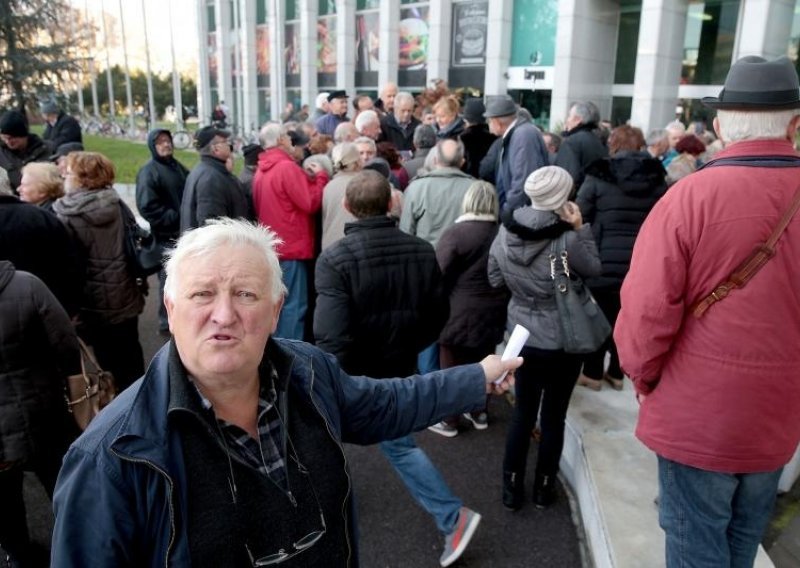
584, 327
764, 251
90, 391
143, 253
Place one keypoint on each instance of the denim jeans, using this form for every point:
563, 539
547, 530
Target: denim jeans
428, 359
423, 480
291, 323
713, 519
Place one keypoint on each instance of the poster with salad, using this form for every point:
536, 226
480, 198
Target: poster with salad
414, 38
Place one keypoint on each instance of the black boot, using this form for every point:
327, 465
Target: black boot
544, 491
513, 490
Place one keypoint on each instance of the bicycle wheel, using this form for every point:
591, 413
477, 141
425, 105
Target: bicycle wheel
181, 139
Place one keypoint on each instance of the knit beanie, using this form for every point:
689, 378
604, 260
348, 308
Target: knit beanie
548, 188
13, 123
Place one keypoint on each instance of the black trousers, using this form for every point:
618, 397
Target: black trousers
549, 377
608, 300
117, 349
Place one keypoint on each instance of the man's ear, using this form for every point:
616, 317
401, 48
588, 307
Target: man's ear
717, 129
791, 130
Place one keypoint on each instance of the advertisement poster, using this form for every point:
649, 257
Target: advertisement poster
262, 50
326, 45
367, 41
213, 71
470, 22
292, 49
414, 38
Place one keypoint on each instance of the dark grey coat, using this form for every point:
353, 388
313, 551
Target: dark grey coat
38, 349
212, 191
523, 265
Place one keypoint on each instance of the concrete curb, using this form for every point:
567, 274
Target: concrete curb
615, 479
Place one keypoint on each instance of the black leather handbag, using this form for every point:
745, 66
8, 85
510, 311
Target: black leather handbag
144, 254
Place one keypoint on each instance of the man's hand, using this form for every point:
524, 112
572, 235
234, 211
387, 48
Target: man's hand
493, 369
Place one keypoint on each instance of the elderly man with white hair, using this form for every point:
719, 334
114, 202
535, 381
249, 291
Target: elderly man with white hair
287, 199
398, 126
368, 124
228, 452
320, 108
710, 324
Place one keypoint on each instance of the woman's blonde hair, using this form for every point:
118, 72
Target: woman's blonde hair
47, 178
449, 104
481, 199
91, 170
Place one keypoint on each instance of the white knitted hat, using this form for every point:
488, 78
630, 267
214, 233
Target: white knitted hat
548, 188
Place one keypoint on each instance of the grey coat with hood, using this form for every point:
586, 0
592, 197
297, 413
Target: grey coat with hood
94, 219
523, 265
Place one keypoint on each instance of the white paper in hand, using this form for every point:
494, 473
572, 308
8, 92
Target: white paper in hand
515, 344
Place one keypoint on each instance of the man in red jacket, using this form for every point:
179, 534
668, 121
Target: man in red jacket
720, 387
286, 199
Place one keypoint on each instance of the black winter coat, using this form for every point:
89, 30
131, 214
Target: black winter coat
380, 299
66, 129
38, 350
402, 138
211, 191
615, 198
159, 191
37, 242
477, 140
477, 310
578, 149
12, 162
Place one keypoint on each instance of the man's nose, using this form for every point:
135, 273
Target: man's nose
223, 312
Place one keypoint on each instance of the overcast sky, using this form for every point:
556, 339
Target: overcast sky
158, 26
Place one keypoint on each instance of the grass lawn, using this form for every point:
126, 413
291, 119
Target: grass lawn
129, 156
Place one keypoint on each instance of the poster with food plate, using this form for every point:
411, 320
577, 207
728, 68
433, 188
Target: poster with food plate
470, 22
414, 38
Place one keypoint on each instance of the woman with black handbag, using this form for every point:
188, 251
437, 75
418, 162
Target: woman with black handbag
112, 300
522, 258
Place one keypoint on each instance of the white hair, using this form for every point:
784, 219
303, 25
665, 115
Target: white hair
5, 183
344, 131
322, 98
217, 233
323, 160
676, 125
269, 134
366, 117
737, 125
366, 140
403, 96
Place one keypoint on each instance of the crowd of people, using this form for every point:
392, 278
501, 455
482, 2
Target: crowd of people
402, 237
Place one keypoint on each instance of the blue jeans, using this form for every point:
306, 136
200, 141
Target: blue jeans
428, 359
291, 323
713, 519
423, 480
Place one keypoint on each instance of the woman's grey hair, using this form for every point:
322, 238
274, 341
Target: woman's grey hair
323, 160
216, 234
270, 134
366, 140
5, 183
675, 125
481, 199
738, 125
656, 136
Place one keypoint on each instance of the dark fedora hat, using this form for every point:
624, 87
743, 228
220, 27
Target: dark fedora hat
753, 83
500, 105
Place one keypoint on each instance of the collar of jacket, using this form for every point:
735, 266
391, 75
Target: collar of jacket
762, 147
444, 173
588, 127
215, 163
368, 223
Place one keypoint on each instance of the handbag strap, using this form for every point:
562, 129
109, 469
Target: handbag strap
558, 249
751, 265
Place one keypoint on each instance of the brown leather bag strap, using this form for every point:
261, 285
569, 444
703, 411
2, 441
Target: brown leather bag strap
751, 265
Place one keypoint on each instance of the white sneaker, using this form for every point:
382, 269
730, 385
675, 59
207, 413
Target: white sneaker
444, 429
480, 421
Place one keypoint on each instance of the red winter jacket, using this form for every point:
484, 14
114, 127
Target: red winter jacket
286, 200
723, 391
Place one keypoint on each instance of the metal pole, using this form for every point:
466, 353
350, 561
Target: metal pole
150, 100
128, 92
177, 101
238, 57
92, 76
79, 78
111, 105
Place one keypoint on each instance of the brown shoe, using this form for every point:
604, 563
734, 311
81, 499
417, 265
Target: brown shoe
616, 384
593, 384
